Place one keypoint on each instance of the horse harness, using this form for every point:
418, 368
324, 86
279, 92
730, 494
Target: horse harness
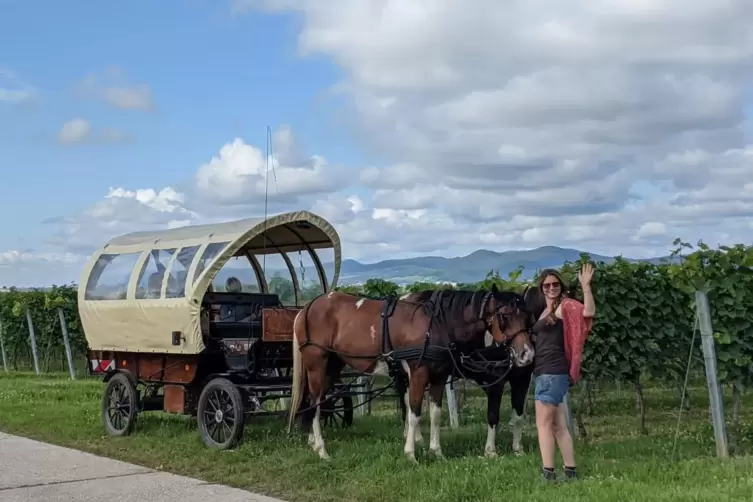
427, 351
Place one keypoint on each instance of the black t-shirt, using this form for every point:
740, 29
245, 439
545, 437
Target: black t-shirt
549, 357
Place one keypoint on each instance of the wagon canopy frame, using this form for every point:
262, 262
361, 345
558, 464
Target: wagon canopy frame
130, 320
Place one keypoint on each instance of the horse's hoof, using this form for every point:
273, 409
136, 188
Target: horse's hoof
518, 453
437, 453
490, 454
324, 456
411, 458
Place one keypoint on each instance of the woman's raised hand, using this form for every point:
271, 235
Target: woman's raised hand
585, 274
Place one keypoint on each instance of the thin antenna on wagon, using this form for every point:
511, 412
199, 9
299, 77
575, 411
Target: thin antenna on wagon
266, 196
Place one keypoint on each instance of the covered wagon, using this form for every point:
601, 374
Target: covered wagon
171, 326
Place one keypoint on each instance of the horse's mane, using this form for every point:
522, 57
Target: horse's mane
448, 306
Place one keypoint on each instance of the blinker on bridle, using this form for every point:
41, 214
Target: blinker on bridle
501, 319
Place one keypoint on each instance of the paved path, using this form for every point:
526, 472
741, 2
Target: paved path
31, 471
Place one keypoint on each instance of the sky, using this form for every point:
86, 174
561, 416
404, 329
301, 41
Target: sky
415, 128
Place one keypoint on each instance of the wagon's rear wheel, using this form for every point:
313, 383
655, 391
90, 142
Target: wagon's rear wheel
220, 415
119, 406
338, 412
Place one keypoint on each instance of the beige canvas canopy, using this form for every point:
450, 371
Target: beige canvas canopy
123, 308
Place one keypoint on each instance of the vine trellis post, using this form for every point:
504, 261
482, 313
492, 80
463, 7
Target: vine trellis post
2, 347
64, 329
33, 340
452, 404
709, 359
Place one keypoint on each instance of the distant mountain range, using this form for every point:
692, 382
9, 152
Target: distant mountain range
470, 268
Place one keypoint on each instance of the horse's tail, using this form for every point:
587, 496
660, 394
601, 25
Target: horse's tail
299, 375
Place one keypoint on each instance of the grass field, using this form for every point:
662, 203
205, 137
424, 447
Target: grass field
616, 461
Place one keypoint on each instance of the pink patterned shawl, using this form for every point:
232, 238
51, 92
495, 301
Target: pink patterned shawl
576, 331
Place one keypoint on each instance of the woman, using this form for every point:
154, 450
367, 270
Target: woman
560, 332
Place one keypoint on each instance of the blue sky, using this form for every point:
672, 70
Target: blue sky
213, 76
411, 138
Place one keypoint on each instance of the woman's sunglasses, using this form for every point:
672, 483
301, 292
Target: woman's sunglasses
550, 285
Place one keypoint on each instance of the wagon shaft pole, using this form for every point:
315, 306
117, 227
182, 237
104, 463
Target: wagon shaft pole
33, 339
64, 329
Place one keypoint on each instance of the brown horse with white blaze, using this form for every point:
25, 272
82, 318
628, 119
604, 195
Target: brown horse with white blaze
376, 336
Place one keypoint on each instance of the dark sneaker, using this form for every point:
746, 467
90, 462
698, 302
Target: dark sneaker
571, 472
548, 474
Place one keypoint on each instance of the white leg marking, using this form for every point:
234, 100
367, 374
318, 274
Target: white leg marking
406, 295
318, 439
359, 303
419, 437
329, 295
410, 440
488, 339
407, 414
516, 421
435, 415
490, 450
372, 332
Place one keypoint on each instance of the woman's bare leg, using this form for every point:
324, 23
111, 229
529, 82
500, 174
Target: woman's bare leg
545, 416
563, 437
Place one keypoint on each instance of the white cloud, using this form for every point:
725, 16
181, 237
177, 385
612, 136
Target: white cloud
79, 131
74, 131
13, 90
652, 229
32, 268
113, 88
238, 175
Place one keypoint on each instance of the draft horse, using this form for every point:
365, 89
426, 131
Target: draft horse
521, 353
423, 340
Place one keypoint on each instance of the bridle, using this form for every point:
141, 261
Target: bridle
502, 318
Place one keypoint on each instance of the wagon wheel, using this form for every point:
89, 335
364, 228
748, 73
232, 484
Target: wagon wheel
338, 412
119, 406
220, 415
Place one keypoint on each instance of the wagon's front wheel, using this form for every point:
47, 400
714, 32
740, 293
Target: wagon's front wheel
220, 414
119, 406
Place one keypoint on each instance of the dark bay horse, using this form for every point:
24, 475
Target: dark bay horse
384, 336
521, 352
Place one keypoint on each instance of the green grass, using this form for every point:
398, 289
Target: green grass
616, 461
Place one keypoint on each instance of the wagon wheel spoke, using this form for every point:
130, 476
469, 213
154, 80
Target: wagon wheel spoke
213, 401
212, 430
227, 427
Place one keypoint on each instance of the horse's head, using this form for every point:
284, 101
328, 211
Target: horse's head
509, 323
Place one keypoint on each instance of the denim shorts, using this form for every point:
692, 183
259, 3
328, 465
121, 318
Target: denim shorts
551, 389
